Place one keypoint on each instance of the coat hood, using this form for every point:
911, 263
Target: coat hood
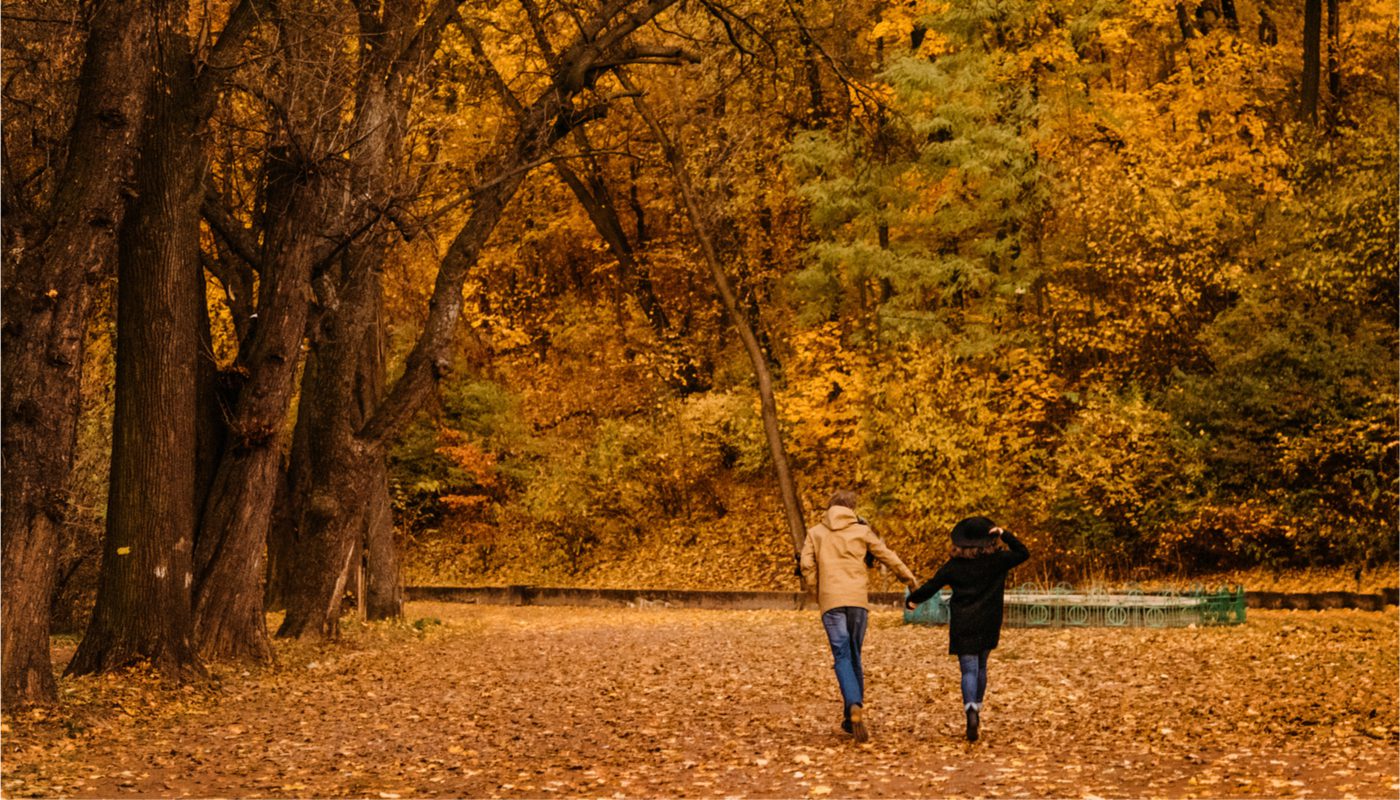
839, 517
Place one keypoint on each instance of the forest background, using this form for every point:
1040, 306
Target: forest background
1119, 273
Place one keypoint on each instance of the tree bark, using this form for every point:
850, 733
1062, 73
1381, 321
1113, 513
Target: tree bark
1312, 59
383, 584
229, 621
47, 302
144, 609
1334, 65
143, 600
293, 487
792, 502
337, 468
383, 589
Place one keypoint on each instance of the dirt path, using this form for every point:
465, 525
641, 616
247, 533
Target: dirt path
643, 703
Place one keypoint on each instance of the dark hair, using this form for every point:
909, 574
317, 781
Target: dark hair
974, 552
843, 497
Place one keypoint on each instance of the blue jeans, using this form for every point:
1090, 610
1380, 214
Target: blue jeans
974, 679
845, 629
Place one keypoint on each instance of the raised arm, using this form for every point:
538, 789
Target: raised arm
1017, 552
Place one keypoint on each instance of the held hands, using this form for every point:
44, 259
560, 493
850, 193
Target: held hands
913, 584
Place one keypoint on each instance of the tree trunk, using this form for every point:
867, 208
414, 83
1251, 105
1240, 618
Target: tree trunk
792, 502
1334, 65
384, 586
143, 600
381, 593
47, 302
229, 565
338, 467
1231, 14
144, 609
1183, 21
1312, 59
284, 532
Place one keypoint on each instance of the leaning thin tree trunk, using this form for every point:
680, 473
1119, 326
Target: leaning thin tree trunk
46, 313
143, 609
792, 503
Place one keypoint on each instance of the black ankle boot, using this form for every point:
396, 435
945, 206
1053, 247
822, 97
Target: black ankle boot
974, 722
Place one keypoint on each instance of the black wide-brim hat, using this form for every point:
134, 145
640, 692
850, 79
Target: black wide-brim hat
974, 532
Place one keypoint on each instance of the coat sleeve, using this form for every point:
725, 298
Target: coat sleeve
877, 547
929, 589
809, 560
1017, 554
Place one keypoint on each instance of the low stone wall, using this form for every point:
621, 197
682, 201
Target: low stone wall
1322, 600
740, 600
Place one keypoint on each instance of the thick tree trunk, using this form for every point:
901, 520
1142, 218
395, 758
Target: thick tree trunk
792, 502
338, 467
229, 558
143, 600
1312, 59
47, 301
144, 609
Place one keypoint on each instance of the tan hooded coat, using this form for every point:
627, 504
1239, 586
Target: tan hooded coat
833, 557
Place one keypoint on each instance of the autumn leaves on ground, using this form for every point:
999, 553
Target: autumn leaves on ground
536, 702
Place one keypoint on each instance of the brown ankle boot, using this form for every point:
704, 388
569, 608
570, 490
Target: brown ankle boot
858, 724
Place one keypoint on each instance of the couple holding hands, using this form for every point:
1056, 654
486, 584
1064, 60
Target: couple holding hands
835, 558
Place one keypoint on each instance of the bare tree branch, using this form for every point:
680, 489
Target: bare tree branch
240, 239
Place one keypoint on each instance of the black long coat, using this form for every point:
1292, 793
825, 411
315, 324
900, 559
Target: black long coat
978, 585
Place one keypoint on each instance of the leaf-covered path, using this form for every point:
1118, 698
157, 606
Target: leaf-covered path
654, 702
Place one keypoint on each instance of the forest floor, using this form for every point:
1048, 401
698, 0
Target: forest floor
476, 701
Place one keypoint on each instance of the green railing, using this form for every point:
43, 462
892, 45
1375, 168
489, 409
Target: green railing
1062, 606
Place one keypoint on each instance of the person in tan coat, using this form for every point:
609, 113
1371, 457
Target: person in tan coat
834, 559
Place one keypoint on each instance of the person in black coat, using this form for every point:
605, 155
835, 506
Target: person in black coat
977, 573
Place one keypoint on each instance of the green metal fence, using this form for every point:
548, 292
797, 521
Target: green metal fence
1062, 606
